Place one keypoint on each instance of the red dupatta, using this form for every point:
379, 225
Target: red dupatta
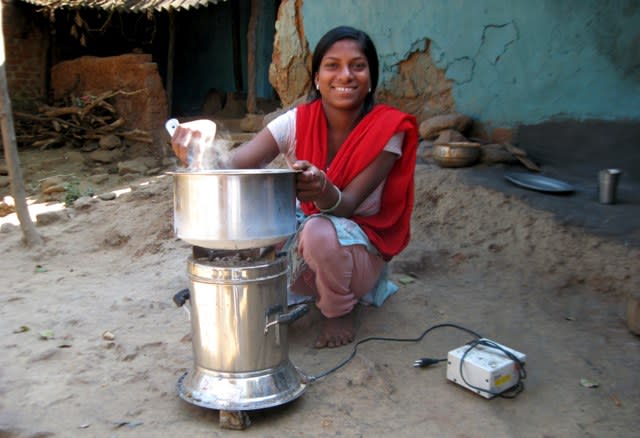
389, 229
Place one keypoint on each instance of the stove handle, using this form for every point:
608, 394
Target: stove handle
181, 297
297, 313
285, 318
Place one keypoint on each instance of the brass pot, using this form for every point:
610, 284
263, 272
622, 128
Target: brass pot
456, 154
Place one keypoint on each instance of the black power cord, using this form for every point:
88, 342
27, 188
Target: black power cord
311, 379
427, 361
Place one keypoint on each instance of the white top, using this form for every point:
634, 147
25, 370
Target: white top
283, 130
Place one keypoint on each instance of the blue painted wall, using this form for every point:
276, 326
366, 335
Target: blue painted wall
512, 61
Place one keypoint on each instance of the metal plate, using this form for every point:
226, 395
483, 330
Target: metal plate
539, 182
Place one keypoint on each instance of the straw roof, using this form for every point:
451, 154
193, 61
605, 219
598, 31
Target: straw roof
123, 5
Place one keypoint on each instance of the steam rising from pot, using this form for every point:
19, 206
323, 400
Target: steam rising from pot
205, 151
209, 155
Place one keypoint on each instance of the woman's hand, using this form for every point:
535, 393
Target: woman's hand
191, 139
313, 185
311, 182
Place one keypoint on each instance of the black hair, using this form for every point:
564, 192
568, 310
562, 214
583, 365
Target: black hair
368, 48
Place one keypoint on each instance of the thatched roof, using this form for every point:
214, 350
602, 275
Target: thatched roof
123, 5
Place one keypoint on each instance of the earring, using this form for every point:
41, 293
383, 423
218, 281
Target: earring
317, 86
369, 89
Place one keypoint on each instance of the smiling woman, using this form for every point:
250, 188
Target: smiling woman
355, 162
343, 77
362, 60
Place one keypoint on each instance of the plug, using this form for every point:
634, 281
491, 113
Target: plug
426, 362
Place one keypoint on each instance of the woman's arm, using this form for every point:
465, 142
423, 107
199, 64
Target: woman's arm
256, 153
312, 184
312, 187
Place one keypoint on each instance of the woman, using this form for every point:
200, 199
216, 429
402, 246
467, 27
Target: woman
355, 187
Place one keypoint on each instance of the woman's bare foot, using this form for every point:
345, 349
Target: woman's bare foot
335, 332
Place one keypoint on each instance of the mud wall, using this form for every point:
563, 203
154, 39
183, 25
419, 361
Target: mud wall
26, 47
509, 62
142, 104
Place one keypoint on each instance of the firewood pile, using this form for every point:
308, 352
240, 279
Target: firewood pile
75, 122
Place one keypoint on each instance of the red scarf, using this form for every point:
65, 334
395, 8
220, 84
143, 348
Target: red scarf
389, 229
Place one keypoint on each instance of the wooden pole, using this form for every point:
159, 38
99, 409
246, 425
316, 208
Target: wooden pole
251, 57
170, 59
31, 236
235, 38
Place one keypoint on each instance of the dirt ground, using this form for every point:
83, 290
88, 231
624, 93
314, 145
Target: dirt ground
479, 257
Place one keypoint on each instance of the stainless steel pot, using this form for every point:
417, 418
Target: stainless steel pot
234, 208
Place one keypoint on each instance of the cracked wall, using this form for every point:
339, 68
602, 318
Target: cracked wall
290, 69
504, 63
493, 44
419, 86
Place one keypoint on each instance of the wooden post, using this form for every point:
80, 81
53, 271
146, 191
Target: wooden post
170, 59
31, 236
251, 57
235, 38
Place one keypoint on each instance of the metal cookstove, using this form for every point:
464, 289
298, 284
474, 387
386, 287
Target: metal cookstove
237, 301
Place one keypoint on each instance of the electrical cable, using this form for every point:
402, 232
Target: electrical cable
311, 379
511, 392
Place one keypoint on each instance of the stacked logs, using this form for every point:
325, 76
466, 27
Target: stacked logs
74, 123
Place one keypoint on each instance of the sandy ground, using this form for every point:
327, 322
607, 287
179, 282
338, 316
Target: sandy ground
478, 257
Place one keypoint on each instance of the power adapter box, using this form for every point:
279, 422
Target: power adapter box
487, 371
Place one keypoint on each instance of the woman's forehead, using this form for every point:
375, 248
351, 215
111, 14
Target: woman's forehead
345, 47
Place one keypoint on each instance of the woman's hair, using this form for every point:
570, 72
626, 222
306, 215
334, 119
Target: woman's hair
367, 47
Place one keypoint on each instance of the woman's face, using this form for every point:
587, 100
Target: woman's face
343, 77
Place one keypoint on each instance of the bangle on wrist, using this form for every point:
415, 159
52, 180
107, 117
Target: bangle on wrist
334, 206
324, 182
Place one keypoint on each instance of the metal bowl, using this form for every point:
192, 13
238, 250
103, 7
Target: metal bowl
456, 154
